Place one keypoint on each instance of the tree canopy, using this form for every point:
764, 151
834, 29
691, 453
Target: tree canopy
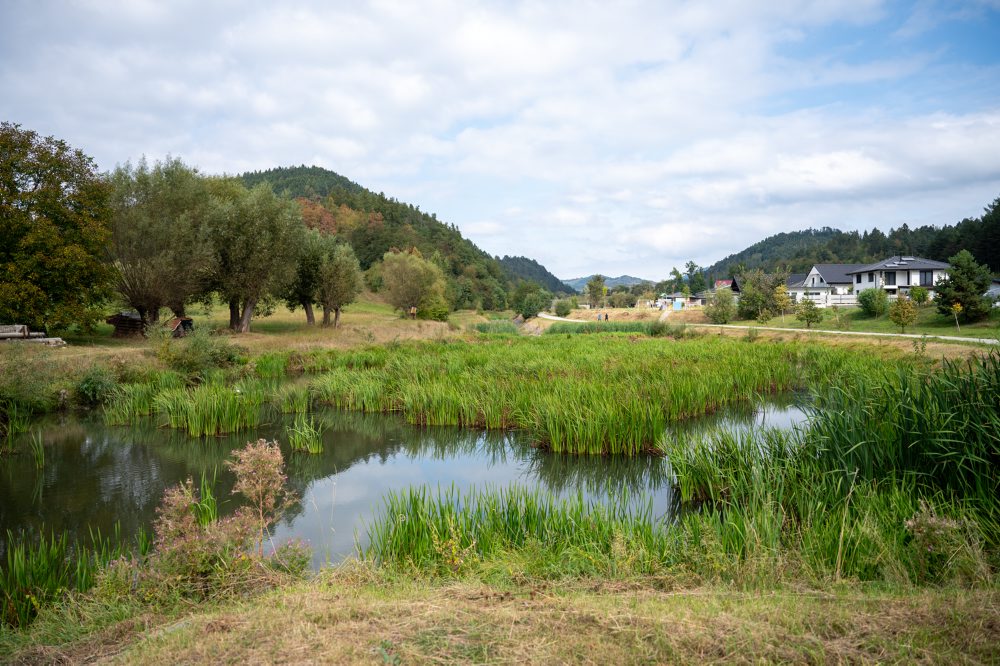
54, 225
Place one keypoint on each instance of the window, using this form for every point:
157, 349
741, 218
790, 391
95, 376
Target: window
926, 278
857, 278
890, 279
871, 277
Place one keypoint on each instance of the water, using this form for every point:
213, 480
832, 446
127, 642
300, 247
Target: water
96, 475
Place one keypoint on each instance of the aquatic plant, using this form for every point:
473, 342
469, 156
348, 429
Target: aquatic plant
37, 449
305, 435
496, 328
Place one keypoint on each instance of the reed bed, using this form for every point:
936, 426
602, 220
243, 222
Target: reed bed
38, 570
612, 395
447, 530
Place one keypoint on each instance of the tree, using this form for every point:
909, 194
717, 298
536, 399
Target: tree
808, 313
563, 308
302, 289
529, 298
873, 302
757, 290
956, 310
782, 301
676, 279
920, 295
256, 237
53, 232
410, 281
596, 290
160, 247
721, 307
903, 313
965, 284
339, 280
696, 278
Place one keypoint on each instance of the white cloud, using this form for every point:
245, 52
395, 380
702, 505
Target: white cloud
607, 138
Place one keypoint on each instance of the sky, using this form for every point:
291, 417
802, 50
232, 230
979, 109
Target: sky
594, 137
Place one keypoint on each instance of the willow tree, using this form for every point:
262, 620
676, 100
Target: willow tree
410, 281
256, 236
160, 244
339, 281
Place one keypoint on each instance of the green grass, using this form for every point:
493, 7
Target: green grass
497, 327
594, 394
851, 318
305, 435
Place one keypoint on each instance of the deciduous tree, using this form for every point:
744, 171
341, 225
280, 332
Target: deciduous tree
808, 313
410, 281
903, 313
339, 280
53, 232
721, 307
256, 236
596, 291
160, 245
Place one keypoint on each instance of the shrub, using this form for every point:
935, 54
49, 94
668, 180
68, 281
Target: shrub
873, 302
199, 351
96, 386
808, 313
563, 308
721, 307
920, 295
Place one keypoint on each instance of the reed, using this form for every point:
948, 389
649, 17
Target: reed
305, 435
39, 570
37, 447
129, 402
607, 394
293, 399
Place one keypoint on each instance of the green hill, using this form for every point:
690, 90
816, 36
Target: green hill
797, 251
528, 269
374, 223
579, 284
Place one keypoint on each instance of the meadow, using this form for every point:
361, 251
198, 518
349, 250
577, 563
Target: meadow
885, 502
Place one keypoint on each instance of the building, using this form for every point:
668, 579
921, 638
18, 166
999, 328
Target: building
897, 275
825, 285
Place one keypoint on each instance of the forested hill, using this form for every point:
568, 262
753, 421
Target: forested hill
610, 282
797, 251
529, 269
374, 223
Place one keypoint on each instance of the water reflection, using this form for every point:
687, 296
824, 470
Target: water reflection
96, 476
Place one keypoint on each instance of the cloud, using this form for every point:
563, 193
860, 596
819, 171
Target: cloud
592, 137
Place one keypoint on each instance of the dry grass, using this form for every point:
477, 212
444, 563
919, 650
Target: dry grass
353, 615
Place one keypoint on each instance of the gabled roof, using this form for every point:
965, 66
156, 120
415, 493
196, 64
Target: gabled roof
902, 263
838, 273
795, 280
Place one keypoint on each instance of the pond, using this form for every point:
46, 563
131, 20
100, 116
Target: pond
96, 476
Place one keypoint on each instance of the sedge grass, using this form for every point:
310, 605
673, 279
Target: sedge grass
305, 435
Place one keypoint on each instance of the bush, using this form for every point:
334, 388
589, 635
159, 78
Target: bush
920, 295
563, 308
721, 307
434, 308
198, 352
96, 386
873, 302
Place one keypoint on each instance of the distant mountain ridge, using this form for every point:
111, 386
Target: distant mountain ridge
579, 284
524, 268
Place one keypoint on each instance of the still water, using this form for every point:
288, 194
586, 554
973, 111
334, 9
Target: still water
96, 476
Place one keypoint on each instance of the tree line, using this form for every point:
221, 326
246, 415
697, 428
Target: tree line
164, 236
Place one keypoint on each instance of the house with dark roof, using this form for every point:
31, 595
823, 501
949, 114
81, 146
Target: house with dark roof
897, 275
825, 284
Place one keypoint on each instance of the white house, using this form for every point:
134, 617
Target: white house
825, 284
897, 275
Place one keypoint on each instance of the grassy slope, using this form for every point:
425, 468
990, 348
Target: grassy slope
355, 615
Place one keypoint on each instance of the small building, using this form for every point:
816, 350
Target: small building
179, 326
127, 323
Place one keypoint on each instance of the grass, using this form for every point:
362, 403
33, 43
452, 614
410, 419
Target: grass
601, 394
499, 327
305, 435
851, 318
354, 614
